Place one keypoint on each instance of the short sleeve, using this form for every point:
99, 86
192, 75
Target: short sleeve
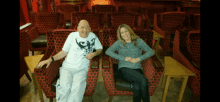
98, 44
67, 43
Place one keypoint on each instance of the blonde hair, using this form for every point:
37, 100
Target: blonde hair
133, 36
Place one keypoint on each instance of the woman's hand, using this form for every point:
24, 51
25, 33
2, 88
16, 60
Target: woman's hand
128, 59
135, 60
42, 63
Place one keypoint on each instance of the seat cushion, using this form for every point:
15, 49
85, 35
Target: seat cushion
40, 41
122, 85
68, 24
55, 82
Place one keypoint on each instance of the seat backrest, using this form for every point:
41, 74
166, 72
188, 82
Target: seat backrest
172, 20
32, 18
122, 18
67, 9
182, 42
103, 8
152, 9
129, 9
157, 19
146, 24
94, 19
60, 36
195, 21
32, 33
46, 21
24, 46
112, 39
191, 10
193, 44
105, 39
147, 36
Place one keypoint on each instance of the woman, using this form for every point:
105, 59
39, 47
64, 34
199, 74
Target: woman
129, 47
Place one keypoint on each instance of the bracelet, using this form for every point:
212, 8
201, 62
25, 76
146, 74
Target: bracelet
52, 59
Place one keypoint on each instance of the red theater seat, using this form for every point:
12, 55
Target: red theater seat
47, 77
116, 19
67, 9
193, 45
23, 53
166, 24
103, 8
43, 23
95, 20
150, 71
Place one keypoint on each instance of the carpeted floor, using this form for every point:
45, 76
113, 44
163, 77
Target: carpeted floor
27, 93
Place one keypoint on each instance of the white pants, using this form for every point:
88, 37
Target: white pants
71, 85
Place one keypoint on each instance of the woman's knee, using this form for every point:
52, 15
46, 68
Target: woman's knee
144, 82
135, 86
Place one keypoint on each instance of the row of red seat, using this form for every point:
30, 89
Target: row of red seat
57, 38
186, 50
149, 10
53, 25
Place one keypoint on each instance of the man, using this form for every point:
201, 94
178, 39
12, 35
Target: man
78, 50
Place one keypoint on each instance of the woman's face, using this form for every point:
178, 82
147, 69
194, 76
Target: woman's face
125, 34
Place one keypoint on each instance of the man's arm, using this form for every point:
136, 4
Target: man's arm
97, 52
93, 54
58, 56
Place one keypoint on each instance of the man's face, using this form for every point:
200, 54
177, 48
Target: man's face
83, 29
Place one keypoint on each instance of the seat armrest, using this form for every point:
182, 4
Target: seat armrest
47, 54
105, 64
32, 33
94, 64
158, 65
108, 77
42, 74
61, 26
108, 18
196, 64
158, 30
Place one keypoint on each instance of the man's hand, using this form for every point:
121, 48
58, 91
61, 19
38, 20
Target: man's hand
42, 63
90, 55
135, 60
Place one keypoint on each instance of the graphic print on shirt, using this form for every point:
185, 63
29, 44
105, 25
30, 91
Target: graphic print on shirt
86, 46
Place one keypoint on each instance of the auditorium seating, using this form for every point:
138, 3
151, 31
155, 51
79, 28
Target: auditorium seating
166, 24
43, 23
49, 30
193, 49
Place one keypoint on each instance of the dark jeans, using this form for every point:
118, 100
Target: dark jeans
139, 82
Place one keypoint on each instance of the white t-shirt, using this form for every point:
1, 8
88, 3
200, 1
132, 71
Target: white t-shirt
77, 48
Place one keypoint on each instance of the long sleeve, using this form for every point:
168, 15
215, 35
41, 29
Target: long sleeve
149, 52
111, 51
